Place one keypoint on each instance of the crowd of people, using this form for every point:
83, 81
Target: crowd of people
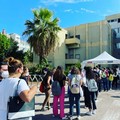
105, 79
87, 83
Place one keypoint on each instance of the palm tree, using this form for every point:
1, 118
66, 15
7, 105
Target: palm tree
42, 32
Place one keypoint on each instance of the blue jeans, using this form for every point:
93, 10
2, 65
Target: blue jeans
105, 84
74, 98
99, 84
110, 84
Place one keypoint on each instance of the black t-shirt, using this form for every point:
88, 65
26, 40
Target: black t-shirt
62, 81
96, 75
45, 78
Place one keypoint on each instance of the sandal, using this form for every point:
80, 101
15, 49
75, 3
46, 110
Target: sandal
42, 109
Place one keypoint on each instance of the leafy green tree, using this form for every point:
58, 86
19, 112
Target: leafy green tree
4, 45
42, 32
14, 52
9, 47
13, 48
78, 65
28, 57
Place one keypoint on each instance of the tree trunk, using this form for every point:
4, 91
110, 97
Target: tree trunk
40, 59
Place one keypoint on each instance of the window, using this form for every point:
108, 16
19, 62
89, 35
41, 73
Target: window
77, 36
71, 37
71, 56
71, 53
66, 56
77, 56
118, 20
112, 20
66, 36
118, 45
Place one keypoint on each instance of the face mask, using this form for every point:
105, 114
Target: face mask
5, 74
27, 73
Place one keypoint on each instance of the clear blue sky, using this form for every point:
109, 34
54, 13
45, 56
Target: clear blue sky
14, 13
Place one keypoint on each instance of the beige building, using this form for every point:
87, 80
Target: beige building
94, 39
81, 42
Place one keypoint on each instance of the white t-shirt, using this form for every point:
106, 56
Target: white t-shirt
8, 88
84, 78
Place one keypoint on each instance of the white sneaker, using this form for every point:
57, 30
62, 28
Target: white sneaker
78, 117
93, 112
70, 118
89, 113
96, 100
64, 118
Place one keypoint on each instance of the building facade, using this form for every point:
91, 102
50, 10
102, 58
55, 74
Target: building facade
114, 21
86, 41
79, 43
94, 38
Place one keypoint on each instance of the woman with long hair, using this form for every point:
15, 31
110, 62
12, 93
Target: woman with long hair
60, 77
47, 87
75, 79
91, 104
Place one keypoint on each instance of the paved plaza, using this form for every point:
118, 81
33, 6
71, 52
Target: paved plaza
108, 107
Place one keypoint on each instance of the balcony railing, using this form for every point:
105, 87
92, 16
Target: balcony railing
71, 41
72, 59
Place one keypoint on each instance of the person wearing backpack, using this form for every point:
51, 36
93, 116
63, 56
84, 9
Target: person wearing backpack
97, 79
75, 82
110, 78
91, 90
105, 79
60, 78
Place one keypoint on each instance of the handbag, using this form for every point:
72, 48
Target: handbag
17, 108
42, 87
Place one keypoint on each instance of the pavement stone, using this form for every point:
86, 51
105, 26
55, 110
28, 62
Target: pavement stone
108, 107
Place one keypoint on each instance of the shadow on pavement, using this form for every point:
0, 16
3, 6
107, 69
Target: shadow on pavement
44, 117
115, 96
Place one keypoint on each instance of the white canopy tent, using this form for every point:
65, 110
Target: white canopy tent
103, 58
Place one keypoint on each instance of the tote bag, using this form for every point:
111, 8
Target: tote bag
17, 108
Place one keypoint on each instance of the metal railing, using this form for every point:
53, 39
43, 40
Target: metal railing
35, 78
